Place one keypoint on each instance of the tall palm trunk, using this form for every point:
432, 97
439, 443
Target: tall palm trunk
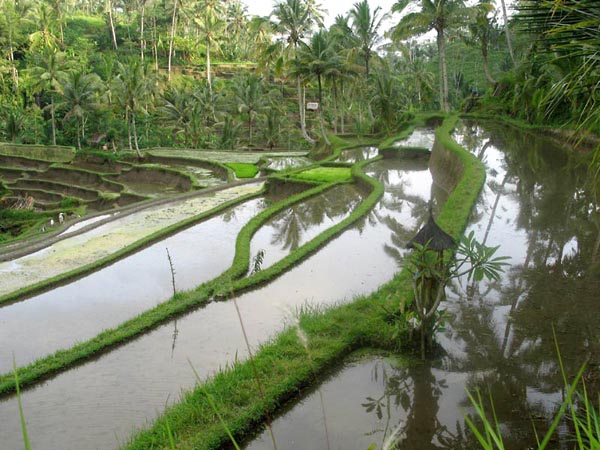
443, 71
507, 33
342, 107
172, 38
112, 24
135, 137
154, 42
486, 66
208, 77
321, 119
53, 119
335, 105
142, 41
301, 110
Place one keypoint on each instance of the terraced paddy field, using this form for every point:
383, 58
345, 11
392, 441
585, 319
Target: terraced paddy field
210, 336
492, 333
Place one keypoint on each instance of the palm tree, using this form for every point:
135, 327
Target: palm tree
507, 32
365, 26
44, 36
13, 17
132, 84
210, 24
384, 96
438, 15
47, 75
79, 93
108, 7
480, 30
295, 20
250, 99
318, 59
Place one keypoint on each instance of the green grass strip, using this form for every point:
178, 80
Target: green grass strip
285, 364
325, 175
243, 170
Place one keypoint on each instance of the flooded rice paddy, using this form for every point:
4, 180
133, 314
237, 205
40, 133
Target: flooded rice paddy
129, 386
83, 308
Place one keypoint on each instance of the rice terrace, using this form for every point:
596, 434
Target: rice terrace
316, 225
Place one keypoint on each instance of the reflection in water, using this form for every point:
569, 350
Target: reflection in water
536, 208
303, 221
385, 402
358, 154
421, 137
287, 162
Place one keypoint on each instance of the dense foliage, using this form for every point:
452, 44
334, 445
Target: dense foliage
204, 74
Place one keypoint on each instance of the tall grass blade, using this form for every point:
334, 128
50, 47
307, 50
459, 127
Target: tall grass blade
21, 415
170, 435
213, 406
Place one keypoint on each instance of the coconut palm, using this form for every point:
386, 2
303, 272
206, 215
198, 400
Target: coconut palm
294, 20
44, 37
438, 15
47, 76
210, 24
132, 85
318, 59
250, 100
481, 30
365, 25
79, 97
13, 17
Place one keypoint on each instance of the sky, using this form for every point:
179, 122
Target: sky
336, 7
333, 7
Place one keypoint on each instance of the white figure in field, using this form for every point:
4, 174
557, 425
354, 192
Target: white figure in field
51, 222
61, 218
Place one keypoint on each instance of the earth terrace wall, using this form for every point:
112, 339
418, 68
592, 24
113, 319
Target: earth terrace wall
182, 303
287, 364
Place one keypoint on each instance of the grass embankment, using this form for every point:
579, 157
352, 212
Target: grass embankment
243, 170
325, 175
183, 302
284, 364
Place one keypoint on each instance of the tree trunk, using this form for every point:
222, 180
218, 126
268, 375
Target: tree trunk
342, 108
208, 79
154, 43
301, 110
112, 24
335, 105
323, 133
53, 120
128, 121
507, 32
13, 68
135, 138
443, 88
172, 39
142, 41
486, 66
78, 137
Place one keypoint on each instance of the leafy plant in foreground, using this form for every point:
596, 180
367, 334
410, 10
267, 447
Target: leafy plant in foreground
432, 270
